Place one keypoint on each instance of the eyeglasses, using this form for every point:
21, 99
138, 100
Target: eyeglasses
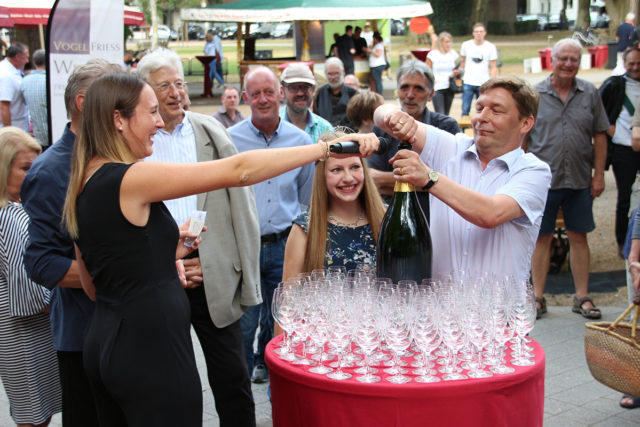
296, 87
571, 59
166, 86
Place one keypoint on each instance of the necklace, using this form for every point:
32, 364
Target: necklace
344, 224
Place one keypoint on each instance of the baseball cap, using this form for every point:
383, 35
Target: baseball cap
298, 73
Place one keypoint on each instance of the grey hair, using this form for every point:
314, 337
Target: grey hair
334, 61
81, 79
571, 42
415, 67
15, 49
630, 16
39, 57
157, 59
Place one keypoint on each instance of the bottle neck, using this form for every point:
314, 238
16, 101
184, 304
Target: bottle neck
403, 187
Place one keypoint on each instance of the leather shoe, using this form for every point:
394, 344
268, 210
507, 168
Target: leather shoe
260, 374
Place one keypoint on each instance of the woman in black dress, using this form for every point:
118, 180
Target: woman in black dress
138, 352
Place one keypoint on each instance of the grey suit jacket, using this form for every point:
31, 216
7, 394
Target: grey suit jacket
230, 248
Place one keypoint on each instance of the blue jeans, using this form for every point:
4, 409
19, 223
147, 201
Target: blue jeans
467, 96
271, 260
213, 72
376, 75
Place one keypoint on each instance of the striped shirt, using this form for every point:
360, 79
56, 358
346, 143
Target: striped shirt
177, 147
34, 91
26, 298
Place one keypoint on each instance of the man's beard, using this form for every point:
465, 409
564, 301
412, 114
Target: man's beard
338, 84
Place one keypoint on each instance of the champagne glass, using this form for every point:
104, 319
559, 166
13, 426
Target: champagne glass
340, 328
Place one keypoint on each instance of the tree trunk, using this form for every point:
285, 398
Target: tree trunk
480, 12
583, 19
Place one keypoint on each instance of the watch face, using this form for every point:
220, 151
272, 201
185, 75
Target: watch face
433, 176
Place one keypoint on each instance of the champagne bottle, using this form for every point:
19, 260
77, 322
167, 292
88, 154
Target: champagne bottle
404, 249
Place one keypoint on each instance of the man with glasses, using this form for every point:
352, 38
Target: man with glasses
279, 201
222, 274
299, 83
478, 61
570, 116
13, 108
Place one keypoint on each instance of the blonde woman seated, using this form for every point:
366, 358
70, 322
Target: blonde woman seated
342, 225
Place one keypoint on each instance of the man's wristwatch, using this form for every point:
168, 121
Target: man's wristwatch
433, 178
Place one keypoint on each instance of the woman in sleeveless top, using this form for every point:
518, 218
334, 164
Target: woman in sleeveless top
138, 353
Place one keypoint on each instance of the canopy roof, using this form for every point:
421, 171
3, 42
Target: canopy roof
307, 10
36, 12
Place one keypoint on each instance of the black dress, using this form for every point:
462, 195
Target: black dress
138, 352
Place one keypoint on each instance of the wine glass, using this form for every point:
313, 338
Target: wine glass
366, 336
397, 335
524, 315
283, 311
340, 328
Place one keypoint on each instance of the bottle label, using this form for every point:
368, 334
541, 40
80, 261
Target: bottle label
403, 187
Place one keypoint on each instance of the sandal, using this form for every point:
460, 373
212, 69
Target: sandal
635, 402
589, 313
543, 307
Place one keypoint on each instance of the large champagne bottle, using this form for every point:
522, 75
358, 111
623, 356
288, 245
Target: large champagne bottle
404, 248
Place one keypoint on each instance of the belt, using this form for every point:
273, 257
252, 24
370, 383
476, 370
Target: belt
274, 237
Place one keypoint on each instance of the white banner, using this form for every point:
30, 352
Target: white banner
79, 30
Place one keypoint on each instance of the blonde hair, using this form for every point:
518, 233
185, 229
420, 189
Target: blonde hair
318, 210
12, 141
440, 40
98, 136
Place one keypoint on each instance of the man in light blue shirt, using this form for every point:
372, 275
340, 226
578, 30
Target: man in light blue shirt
298, 83
487, 194
34, 92
279, 200
213, 47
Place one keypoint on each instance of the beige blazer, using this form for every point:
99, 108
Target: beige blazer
230, 248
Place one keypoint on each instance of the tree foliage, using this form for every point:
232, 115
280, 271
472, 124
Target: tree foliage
453, 16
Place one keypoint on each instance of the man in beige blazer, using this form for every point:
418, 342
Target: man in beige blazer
223, 275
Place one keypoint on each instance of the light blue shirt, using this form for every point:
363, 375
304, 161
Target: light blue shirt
34, 91
177, 147
316, 125
210, 48
281, 199
10, 80
460, 245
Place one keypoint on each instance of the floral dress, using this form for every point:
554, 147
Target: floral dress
346, 246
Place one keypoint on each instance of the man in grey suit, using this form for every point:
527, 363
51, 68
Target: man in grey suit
223, 277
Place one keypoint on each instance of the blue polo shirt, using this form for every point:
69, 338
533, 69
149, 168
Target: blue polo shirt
281, 199
50, 250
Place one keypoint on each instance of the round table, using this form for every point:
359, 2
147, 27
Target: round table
302, 398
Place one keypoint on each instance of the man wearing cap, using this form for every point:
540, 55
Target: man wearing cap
299, 83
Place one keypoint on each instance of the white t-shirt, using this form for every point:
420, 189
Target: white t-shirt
368, 36
10, 80
442, 66
376, 61
477, 58
622, 134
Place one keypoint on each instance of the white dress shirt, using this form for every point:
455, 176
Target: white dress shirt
458, 245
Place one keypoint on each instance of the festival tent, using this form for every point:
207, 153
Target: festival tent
305, 11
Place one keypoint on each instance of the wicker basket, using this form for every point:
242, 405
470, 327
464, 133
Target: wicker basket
613, 353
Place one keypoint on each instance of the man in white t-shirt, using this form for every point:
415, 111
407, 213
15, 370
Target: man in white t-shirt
478, 59
13, 108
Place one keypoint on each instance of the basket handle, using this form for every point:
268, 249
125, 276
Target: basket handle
624, 314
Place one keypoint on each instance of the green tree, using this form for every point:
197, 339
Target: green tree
453, 16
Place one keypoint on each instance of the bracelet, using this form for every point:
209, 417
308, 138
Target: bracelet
326, 153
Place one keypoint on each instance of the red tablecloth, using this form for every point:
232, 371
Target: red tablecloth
205, 60
301, 398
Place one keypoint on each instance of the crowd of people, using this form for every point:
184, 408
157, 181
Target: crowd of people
98, 290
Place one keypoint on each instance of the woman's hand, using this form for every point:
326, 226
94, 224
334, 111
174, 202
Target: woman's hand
182, 250
409, 167
368, 143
